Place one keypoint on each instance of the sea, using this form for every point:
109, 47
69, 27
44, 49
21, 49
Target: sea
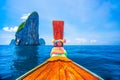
103, 60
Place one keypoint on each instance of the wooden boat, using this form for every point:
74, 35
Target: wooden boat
58, 66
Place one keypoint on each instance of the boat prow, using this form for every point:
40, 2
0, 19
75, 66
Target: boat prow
59, 68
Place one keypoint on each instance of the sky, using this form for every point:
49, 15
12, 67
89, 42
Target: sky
86, 22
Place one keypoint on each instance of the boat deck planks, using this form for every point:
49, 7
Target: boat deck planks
59, 68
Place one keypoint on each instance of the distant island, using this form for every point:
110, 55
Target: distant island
28, 32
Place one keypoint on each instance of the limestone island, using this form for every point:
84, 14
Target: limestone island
27, 33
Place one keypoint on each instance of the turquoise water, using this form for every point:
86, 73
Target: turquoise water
102, 60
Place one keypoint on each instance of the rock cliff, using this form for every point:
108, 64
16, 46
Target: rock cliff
12, 42
41, 41
28, 31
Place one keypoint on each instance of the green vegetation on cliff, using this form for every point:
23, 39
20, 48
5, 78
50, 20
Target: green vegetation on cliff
21, 26
32, 13
23, 23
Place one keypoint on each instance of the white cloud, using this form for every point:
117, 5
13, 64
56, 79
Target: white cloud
93, 41
10, 29
85, 41
25, 16
81, 40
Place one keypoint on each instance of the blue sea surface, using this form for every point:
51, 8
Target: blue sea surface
103, 60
